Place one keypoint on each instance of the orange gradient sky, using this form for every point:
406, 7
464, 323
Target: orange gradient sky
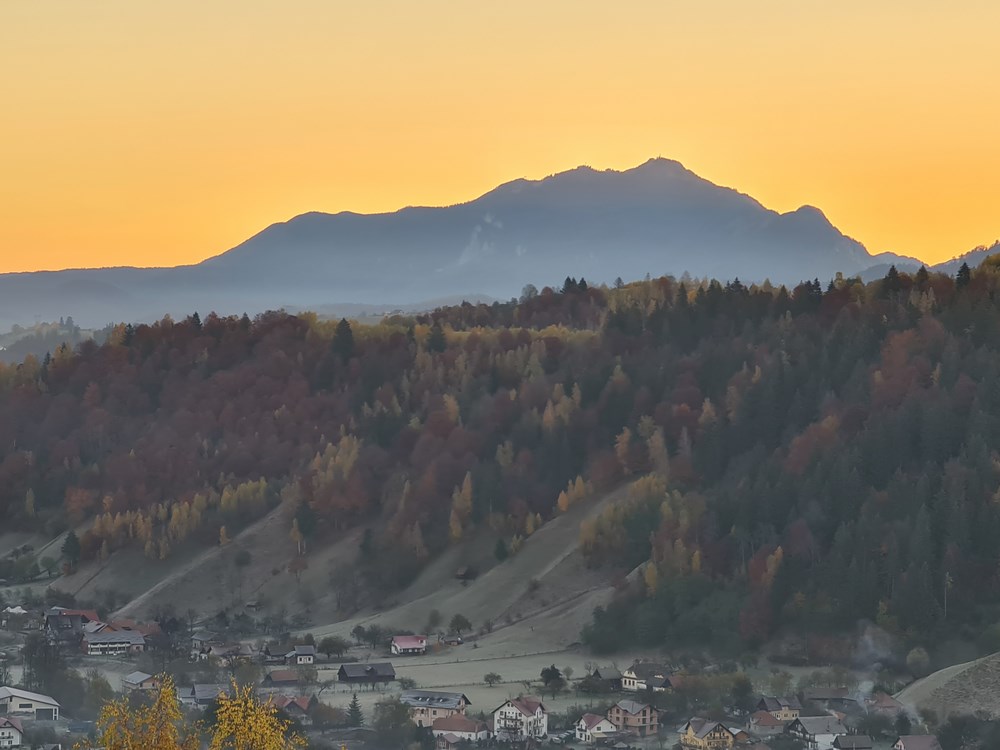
160, 133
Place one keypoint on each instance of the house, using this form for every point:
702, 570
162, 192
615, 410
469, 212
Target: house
231, 653
67, 625
276, 653
139, 681
885, 704
298, 707
592, 727
113, 643
917, 742
460, 726
646, 675
300, 656
372, 673
763, 724
836, 698
781, 708
703, 734
817, 732
520, 719
449, 741
408, 645
853, 742
610, 676
201, 642
639, 719
428, 705
201, 694
15, 702
11, 732
280, 678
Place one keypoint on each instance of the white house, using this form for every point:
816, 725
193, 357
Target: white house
520, 719
15, 702
644, 675
11, 732
301, 656
817, 732
408, 645
461, 727
592, 727
116, 643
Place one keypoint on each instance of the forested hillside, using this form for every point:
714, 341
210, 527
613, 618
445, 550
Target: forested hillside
809, 456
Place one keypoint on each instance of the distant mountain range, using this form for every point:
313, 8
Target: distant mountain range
658, 218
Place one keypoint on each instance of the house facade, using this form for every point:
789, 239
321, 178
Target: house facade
593, 727
763, 724
428, 705
408, 645
817, 732
703, 734
23, 703
114, 643
11, 732
643, 675
781, 708
638, 719
460, 726
139, 681
520, 719
301, 656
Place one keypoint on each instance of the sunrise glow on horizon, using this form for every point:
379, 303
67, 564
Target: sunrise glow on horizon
161, 134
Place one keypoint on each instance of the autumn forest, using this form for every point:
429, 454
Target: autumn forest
802, 458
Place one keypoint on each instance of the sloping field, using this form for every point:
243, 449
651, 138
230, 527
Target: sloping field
541, 596
967, 688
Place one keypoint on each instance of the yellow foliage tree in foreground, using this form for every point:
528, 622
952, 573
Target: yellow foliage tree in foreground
242, 723
156, 726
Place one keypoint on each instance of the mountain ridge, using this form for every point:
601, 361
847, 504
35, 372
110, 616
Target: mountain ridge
657, 218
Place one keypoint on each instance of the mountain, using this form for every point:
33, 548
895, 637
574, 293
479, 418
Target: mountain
973, 258
658, 218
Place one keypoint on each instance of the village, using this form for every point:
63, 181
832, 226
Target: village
456, 693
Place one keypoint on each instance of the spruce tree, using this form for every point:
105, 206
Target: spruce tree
71, 549
343, 341
355, 717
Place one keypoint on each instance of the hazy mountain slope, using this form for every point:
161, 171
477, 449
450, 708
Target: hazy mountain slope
658, 218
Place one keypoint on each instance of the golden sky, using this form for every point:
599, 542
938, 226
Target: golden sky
142, 132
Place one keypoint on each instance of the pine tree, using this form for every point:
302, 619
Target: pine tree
71, 549
343, 341
355, 717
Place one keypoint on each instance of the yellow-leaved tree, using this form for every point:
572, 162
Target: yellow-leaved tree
242, 722
155, 726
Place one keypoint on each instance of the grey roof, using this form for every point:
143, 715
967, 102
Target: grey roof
780, 703
207, 692
821, 725
433, 699
631, 707
304, 650
11, 692
853, 742
608, 673
919, 742
702, 727
137, 677
372, 670
644, 670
